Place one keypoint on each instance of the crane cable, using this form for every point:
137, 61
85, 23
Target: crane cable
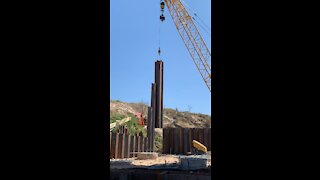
159, 51
162, 18
202, 27
195, 15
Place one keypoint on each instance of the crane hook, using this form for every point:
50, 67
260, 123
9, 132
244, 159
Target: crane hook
162, 18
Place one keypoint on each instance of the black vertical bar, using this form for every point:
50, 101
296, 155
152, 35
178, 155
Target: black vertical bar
176, 141
153, 118
149, 127
159, 93
180, 140
185, 141
166, 141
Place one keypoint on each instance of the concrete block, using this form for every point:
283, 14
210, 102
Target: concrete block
147, 155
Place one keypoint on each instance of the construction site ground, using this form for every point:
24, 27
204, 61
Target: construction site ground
164, 161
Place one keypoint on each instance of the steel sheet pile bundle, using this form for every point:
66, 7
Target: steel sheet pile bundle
155, 115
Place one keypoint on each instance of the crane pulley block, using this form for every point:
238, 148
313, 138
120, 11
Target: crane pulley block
162, 5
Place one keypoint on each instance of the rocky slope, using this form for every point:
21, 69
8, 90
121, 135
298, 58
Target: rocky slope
172, 118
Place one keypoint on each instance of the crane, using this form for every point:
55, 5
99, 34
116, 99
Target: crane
191, 37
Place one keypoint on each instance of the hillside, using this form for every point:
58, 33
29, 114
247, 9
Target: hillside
172, 118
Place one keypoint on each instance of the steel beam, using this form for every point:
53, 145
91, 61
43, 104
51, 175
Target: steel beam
159, 93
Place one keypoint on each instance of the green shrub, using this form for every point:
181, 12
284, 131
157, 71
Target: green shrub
134, 127
158, 140
114, 117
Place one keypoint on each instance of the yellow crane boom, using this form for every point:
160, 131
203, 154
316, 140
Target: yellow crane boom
191, 38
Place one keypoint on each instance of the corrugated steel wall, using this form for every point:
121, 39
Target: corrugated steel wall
179, 140
124, 146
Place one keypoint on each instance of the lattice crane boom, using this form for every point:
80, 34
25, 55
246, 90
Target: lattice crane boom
191, 38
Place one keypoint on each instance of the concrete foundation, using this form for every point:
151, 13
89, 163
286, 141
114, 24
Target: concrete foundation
193, 163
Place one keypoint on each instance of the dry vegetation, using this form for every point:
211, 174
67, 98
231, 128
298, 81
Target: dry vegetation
171, 117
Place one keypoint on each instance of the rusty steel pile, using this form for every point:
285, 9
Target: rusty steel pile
155, 112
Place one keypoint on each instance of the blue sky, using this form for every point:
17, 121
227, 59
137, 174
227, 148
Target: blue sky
134, 42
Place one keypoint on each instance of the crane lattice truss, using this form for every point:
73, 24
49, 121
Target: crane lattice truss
191, 38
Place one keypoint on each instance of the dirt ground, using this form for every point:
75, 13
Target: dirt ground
134, 162
167, 160
159, 161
